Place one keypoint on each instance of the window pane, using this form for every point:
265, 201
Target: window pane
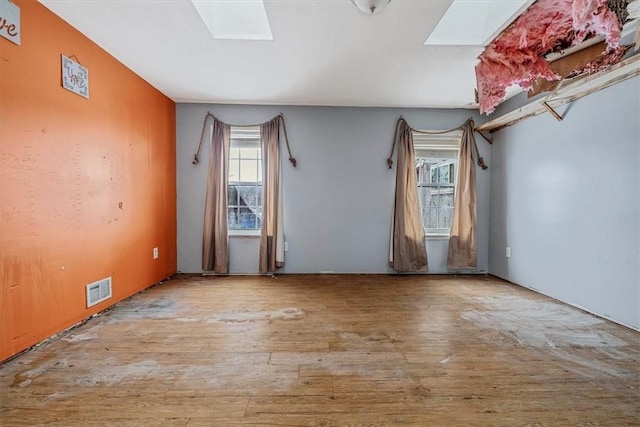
259, 195
443, 174
422, 169
446, 217
249, 170
247, 195
232, 195
234, 152
234, 170
447, 197
250, 152
432, 218
258, 212
433, 175
424, 195
427, 199
436, 207
246, 218
232, 217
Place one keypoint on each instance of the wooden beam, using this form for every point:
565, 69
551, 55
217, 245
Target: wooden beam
484, 137
566, 65
571, 91
553, 112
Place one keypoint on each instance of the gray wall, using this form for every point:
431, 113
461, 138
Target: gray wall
337, 202
565, 198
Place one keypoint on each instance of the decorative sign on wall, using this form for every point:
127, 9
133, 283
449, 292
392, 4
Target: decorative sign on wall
10, 21
75, 77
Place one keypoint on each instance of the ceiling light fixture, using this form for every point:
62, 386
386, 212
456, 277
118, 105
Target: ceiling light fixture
370, 6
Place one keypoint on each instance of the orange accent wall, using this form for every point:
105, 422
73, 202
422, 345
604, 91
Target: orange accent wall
87, 186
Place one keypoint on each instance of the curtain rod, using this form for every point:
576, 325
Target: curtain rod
401, 120
210, 114
468, 124
438, 132
427, 132
279, 117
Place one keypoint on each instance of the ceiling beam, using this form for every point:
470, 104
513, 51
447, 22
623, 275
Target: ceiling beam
569, 92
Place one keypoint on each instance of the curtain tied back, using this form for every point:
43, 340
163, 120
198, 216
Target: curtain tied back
215, 239
407, 247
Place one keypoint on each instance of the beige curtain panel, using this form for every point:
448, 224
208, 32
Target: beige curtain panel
215, 239
272, 233
463, 253
408, 251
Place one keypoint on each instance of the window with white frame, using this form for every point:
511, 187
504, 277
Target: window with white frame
437, 169
244, 204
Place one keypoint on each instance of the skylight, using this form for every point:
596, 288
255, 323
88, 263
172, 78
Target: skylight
475, 22
235, 20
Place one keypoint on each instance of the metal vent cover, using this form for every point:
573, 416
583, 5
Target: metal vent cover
98, 291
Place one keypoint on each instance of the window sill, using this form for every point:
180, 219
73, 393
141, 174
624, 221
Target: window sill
244, 233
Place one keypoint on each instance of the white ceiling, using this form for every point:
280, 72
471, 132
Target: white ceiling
323, 52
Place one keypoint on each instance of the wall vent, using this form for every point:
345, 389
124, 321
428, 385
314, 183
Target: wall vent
98, 291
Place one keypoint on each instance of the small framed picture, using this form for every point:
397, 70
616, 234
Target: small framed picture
10, 21
75, 77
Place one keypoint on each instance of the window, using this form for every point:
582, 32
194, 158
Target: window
437, 168
244, 205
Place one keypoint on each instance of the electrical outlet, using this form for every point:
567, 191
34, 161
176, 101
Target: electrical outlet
286, 246
508, 252
155, 253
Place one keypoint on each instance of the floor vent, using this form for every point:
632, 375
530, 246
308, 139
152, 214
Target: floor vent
98, 291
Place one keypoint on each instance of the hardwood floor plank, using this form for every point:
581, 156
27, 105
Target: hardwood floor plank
254, 387
386, 403
146, 407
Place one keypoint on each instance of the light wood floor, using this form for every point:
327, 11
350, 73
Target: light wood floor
330, 351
